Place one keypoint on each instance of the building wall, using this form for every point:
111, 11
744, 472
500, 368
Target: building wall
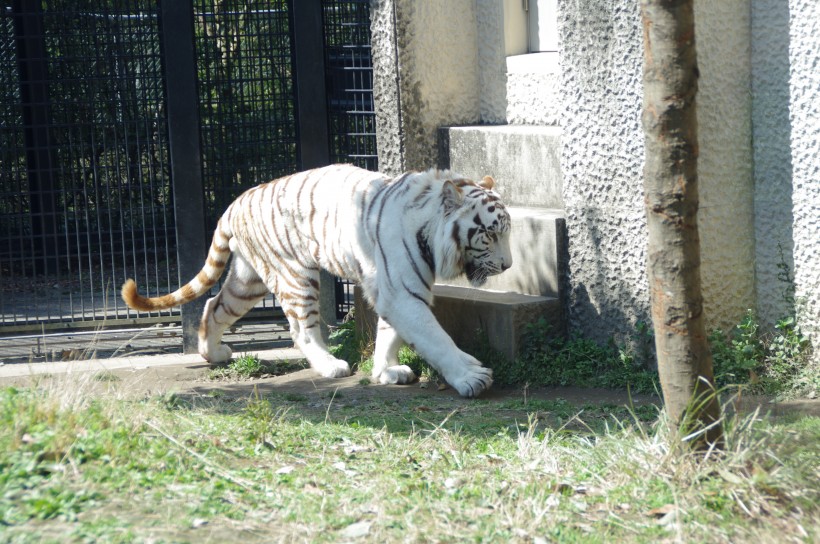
602, 161
758, 124
786, 121
771, 145
492, 61
425, 60
804, 86
726, 185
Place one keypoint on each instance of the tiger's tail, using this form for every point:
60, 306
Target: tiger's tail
218, 256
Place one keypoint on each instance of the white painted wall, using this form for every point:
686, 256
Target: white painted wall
771, 144
786, 142
726, 215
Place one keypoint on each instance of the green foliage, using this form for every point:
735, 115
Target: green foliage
249, 366
549, 359
346, 344
243, 367
259, 416
771, 363
774, 362
246, 365
787, 352
737, 356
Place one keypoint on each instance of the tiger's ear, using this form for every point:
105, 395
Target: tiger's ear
451, 196
488, 182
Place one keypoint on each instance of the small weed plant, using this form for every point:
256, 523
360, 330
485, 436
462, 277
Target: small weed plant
245, 366
248, 366
345, 343
774, 362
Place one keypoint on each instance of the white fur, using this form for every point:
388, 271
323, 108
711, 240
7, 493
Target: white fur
378, 232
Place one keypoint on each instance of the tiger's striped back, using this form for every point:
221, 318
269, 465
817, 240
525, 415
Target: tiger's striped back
305, 221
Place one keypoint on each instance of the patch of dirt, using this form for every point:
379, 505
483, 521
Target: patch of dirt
192, 380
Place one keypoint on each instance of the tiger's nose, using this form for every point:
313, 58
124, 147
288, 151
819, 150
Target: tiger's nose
505, 265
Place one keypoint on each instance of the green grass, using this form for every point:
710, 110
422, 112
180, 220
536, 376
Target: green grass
75, 467
248, 366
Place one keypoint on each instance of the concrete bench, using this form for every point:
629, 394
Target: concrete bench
464, 311
501, 316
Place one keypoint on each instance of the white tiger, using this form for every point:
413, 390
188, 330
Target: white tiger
393, 237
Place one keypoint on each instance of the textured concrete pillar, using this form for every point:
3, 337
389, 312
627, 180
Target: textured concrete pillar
426, 75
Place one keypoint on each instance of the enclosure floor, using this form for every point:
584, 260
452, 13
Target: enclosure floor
161, 339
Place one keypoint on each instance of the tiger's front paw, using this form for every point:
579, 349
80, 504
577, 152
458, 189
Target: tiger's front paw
398, 374
471, 379
331, 367
216, 355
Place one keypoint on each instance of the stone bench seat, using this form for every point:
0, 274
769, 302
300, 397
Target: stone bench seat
501, 316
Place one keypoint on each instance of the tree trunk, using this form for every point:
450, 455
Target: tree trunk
670, 79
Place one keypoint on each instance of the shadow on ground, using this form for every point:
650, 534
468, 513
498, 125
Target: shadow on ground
302, 394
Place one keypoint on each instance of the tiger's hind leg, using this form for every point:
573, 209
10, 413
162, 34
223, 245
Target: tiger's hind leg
301, 306
386, 367
242, 289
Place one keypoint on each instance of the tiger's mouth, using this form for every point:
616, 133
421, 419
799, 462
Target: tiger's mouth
476, 275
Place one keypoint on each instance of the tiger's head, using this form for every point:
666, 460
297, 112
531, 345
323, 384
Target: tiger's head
476, 231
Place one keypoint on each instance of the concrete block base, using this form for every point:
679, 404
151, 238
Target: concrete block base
523, 159
466, 312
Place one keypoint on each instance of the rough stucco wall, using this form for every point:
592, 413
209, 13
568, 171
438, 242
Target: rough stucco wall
491, 61
804, 53
726, 214
439, 76
772, 153
602, 163
533, 98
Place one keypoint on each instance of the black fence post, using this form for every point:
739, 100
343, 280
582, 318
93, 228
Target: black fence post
43, 184
177, 31
311, 114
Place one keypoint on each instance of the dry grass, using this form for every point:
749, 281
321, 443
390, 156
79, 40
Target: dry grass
83, 457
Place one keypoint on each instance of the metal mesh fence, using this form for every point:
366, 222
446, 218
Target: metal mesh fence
84, 194
246, 99
349, 69
85, 189
246, 96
